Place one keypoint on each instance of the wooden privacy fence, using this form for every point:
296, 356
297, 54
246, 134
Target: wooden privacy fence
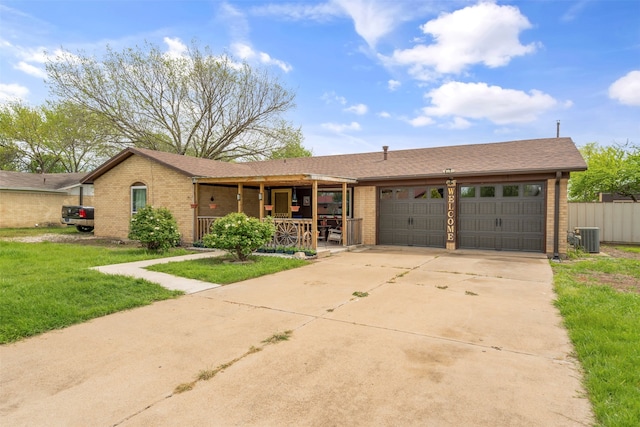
618, 222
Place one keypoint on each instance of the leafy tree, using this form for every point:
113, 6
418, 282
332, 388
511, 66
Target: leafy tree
292, 147
611, 169
9, 157
51, 138
239, 235
24, 130
197, 104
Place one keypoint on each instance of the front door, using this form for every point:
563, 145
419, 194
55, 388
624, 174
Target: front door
281, 200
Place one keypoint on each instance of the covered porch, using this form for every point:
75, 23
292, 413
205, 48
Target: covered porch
309, 211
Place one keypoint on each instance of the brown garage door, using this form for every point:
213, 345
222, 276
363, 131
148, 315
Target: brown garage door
506, 216
413, 216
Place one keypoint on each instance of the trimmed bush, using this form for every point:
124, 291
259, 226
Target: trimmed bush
155, 229
239, 235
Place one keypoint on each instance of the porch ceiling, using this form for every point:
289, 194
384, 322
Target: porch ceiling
278, 180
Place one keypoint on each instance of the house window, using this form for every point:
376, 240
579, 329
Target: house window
138, 197
467, 191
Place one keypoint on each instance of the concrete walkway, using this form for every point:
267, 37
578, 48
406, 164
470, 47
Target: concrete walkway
138, 270
442, 339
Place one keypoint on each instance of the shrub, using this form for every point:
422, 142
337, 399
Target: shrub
156, 229
239, 235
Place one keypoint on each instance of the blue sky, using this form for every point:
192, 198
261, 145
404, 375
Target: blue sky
406, 74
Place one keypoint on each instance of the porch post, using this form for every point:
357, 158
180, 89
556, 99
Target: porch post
196, 190
344, 214
314, 214
240, 199
261, 197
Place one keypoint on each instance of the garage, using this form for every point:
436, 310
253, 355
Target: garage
412, 216
507, 216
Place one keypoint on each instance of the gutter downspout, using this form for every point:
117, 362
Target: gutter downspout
556, 219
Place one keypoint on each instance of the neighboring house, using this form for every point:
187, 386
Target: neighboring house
499, 196
29, 200
616, 198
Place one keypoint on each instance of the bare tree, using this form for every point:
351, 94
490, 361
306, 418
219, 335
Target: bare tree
197, 104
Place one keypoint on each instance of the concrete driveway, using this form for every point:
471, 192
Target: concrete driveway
442, 339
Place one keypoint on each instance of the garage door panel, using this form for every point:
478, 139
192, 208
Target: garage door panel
508, 218
485, 224
532, 226
509, 225
486, 208
532, 244
468, 209
533, 208
510, 208
412, 216
436, 209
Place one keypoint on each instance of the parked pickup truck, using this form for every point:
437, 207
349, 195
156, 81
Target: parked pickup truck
80, 216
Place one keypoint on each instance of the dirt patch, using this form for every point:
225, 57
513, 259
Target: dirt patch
612, 251
619, 282
80, 239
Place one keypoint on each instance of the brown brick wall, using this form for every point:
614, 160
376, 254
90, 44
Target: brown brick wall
563, 220
365, 208
165, 188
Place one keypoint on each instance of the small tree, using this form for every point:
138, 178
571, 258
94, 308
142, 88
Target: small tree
239, 235
156, 229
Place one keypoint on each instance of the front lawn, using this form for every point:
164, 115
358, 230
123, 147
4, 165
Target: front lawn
220, 271
599, 298
45, 286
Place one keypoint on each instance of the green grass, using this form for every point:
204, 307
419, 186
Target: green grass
630, 249
45, 286
215, 270
604, 325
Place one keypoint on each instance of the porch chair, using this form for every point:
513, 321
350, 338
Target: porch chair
335, 235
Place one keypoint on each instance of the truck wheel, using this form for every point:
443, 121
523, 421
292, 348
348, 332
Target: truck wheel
84, 228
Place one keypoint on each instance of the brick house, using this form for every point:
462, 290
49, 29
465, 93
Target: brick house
29, 199
498, 196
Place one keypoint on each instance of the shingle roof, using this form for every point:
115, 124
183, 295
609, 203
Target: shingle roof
32, 181
187, 165
513, 157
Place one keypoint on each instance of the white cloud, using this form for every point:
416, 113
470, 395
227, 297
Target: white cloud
421, 121
384, 115
626, 90
247, 53
575, 10
331, 97
484, 33
13, 92
372, 19
359, 109
481, 101
457, 123
300, 11
341, 128
393, 85
32, 70
176, 49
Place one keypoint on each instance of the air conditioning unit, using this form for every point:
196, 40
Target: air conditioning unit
590, 237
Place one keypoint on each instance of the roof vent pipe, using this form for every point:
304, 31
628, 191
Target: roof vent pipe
557, 128
385, 148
